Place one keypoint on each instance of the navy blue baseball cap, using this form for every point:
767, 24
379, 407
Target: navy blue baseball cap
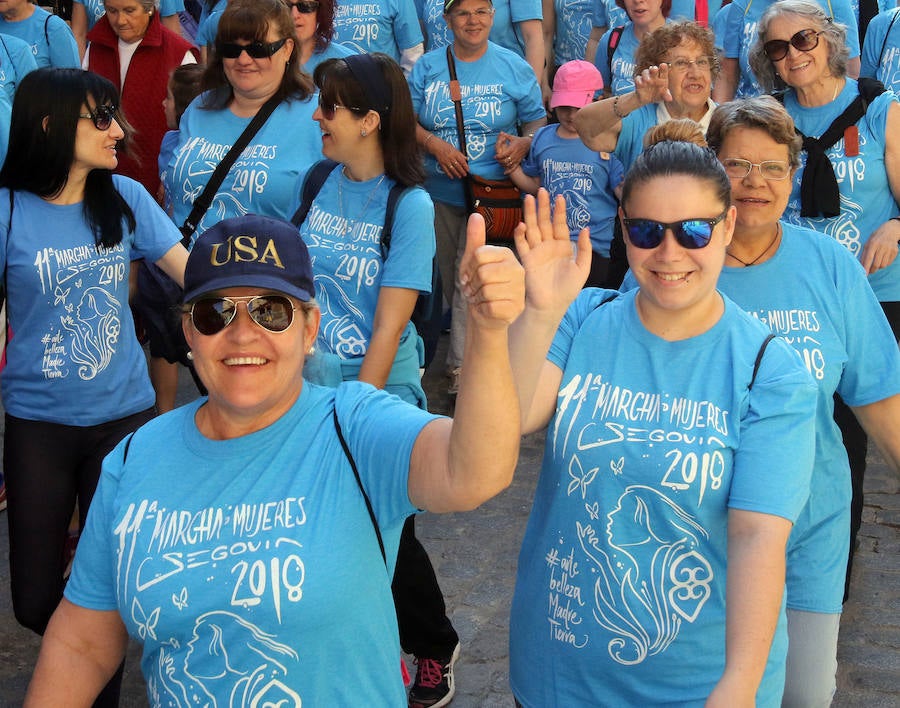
250, 251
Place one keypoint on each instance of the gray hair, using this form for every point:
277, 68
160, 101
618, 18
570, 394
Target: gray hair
834, 34
146, 5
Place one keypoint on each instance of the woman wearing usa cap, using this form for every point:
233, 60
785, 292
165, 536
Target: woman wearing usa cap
561, 163
231, 536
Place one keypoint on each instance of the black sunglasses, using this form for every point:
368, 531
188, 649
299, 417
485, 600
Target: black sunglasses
329, 109
804, 41
274, 313
304, 7
690, 233
102, 116
256, 50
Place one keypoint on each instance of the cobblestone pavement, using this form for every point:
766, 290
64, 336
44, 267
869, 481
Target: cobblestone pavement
475, 557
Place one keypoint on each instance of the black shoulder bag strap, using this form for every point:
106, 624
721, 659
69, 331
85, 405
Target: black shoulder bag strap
340, 434
759, 357
456, 97
204, 201
887, 35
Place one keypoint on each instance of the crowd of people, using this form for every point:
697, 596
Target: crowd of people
700, 306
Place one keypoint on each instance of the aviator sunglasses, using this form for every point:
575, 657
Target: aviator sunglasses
274, 313
304, 7
690, 233
804, 41
101, 116
256, 50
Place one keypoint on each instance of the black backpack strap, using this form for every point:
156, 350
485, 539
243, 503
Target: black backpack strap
340, 434
312, 183
127, 446
397, 191
759, 356
615, 34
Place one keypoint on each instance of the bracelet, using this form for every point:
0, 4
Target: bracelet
616, 111
430, 136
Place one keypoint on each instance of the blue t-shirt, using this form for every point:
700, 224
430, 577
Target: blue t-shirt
263, 178
883, 66
74, 359
166, 150
5, 116
343, 234
431, 15
622, 79
16, 60
207, 28
248, 568
333, 50
586, 179
499, 92
719, 25
608, 14
507, 16
94, 9
52, 42
620, 589
828, 313
866, 201
574, 20
389, 26
741, 35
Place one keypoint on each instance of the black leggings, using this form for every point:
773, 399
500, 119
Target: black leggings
48, 466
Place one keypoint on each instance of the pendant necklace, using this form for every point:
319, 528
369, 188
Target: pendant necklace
765, 250
348, 224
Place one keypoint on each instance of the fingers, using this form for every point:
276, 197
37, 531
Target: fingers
495, 289
584, 254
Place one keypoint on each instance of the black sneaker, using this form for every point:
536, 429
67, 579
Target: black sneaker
433, 686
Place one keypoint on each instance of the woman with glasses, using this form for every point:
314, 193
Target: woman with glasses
848, 182
679, 448
248, 539
255, 60
675, 67
75, 381
130, 46
826, 310
500, 98
314, 24
367, 287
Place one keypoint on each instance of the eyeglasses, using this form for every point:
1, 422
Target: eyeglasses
304, 7
690, 233
466, 15
102, 116
737, 168
274, 313
255, 50
328, 110
682, 64
804, 40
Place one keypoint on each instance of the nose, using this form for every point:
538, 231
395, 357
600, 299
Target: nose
669, 249
755, 175
115, 130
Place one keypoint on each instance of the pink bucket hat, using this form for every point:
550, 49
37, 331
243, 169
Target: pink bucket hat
575, 84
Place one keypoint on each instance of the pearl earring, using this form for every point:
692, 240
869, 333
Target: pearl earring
364, 132
190, 355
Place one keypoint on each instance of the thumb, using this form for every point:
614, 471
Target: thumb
475, 238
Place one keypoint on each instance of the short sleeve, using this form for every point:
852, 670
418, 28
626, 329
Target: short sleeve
408, 264
63, 48
407, 30
774, 460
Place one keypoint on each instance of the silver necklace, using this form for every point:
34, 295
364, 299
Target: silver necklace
348, 223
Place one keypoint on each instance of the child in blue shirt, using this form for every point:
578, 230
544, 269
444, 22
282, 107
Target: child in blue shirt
562, 164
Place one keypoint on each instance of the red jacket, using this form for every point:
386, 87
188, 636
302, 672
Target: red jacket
159, 52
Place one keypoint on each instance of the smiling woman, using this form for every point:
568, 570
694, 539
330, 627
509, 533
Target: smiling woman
254, 60
279, 608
